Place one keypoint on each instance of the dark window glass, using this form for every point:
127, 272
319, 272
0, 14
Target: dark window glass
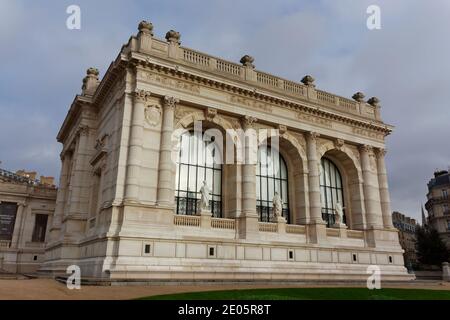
40, 227
331, 190
8, 213
271, 177
198, 160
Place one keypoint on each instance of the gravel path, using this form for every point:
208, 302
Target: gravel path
48, 289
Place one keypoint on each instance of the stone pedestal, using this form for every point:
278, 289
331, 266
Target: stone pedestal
281, 221
445, 272
342, 229
205, 218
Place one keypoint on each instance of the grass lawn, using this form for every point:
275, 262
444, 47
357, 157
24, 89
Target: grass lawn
310, 294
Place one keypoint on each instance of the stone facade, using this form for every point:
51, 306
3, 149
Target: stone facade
26, 213
116, 215
438, 204
407, 235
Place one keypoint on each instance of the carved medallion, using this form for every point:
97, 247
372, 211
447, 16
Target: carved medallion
153, 114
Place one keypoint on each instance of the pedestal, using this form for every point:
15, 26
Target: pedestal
205, 218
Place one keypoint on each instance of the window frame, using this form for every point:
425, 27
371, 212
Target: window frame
265, 211
333, 189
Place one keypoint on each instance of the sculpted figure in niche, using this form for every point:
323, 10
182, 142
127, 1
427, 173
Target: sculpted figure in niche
277, 206
339, 214
204, 200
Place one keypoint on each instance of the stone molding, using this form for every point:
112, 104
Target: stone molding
170, 102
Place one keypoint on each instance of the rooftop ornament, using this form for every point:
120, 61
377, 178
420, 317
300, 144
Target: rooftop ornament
145, 27
359, 96
173, 36
374, 101
247, 61
308, 80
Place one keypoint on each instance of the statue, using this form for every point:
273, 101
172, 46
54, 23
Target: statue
339, 214
277, 206
204, 200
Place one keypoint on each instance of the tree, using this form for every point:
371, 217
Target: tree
431, 250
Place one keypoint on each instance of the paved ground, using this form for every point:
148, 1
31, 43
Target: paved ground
47, 289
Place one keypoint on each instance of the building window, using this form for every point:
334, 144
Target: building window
448, 224
331, 190
8, 211
445, 193
271, 177
197, 162
445, 209
40, 227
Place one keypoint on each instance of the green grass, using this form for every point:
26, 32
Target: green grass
310, 294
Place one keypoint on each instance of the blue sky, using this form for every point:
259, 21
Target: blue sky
405, 64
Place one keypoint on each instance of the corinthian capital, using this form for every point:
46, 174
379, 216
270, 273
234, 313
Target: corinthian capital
365, 148
142, 95
312, 135
83, 130
248, 121
170, 102
380, 152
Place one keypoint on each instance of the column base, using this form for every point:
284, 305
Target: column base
248, 227
317, 232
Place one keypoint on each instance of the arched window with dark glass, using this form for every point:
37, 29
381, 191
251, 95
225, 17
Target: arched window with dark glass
198, 162
271, 177
331, 190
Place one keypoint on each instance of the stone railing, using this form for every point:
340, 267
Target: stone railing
183, 220
219, 223
333, 232
259, 78
294, 228
228, 67
266, 79
5, 243
355, 234
268, 227
195, 57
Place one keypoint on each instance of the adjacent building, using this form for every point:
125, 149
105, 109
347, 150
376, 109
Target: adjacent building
147, 192
438, 204
407, 235
26, 212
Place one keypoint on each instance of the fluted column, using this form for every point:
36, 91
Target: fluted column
17, 225
249, 168
384, 189
135, 145
371, 193
315, 206
165, 177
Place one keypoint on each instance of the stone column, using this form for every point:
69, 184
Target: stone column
315, 206
79, 198
371, 192
248, 222
317, 227
384, 189
135, 146
60, 198
18, 226
166, 191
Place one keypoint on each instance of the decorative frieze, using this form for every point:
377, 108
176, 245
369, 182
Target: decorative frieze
315, 120
252, 103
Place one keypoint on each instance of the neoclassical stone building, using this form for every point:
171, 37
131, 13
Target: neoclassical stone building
26, 211
127, 208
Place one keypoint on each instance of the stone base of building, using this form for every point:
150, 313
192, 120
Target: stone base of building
191, 258
21, 261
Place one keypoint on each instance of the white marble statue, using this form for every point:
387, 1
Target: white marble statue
339, 214
204, 200
277, 205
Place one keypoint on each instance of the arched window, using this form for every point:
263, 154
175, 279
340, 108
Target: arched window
271, 177
331, 190
197, 162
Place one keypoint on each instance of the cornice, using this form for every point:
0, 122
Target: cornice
245, 90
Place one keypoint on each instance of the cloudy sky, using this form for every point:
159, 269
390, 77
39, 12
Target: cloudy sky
405, 63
